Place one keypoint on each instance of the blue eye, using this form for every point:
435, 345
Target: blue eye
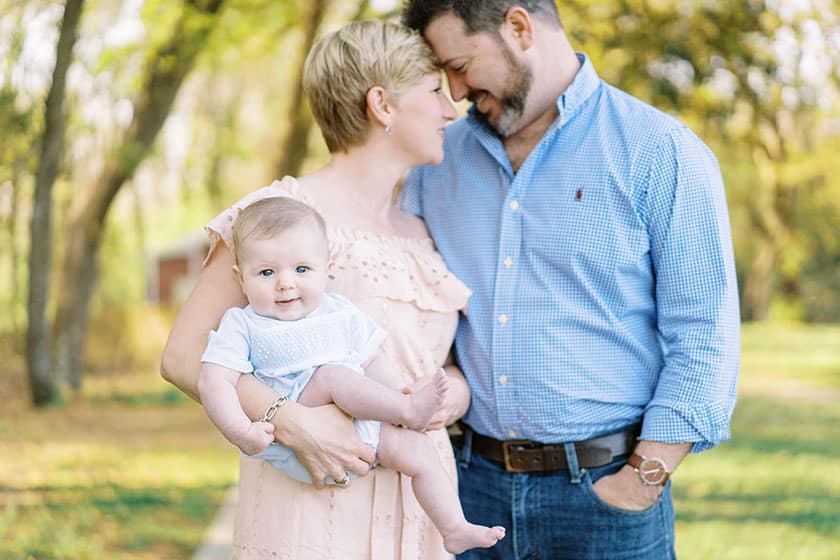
266, 272
301, 269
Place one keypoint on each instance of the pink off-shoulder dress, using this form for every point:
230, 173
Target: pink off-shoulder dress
403, 285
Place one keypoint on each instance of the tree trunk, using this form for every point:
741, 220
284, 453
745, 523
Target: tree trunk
165, 72
771, 213
757, 289
294, 147
14, 256
42, 384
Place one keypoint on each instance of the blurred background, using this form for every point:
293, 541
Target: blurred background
125, 125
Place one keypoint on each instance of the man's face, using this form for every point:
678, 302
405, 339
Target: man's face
484, 69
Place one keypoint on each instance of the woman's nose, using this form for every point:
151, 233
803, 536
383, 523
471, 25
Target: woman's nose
448, 109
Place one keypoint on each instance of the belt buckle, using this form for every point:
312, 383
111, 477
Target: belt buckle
506, 445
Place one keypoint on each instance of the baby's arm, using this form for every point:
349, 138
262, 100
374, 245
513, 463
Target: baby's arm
217, 388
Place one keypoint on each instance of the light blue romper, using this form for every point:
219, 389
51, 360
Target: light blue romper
285, 354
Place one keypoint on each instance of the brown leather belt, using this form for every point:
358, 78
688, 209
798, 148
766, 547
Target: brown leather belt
530, 456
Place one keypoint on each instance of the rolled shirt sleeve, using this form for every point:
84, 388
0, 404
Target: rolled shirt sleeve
696, 295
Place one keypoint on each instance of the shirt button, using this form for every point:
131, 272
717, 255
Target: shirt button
512, 434
514, 205
503, 379
503, 319
508, 262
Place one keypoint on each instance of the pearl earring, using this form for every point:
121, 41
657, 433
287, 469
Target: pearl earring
388, 129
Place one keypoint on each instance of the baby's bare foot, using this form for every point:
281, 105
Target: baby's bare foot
472, 536
425, 401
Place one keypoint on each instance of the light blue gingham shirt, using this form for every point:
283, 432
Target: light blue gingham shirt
603, 276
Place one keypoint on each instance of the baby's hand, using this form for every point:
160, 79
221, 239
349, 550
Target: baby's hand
257, 437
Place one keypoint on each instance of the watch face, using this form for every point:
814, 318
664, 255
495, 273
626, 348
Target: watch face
652, 470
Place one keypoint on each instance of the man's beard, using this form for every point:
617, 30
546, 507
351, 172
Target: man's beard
512, 102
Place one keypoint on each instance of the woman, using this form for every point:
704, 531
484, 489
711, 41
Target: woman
374, 89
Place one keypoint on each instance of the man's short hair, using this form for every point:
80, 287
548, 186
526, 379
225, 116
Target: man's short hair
343, 66
268, 217
479, 16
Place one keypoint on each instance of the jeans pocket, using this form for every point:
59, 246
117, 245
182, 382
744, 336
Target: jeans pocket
589, 487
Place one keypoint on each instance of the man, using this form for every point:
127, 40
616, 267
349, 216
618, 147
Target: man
601, 341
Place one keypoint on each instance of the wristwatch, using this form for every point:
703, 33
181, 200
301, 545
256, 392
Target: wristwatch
652, 470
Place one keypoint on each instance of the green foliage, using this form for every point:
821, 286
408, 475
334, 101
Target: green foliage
755, 79
127, 338
17, 126
253, 29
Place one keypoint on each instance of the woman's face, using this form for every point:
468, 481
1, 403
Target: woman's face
420, 116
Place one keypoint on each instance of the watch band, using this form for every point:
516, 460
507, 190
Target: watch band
650, 466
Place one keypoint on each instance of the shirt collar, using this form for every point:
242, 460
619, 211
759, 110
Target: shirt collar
584, 84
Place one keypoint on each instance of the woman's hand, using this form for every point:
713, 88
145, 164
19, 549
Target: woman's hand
324, 440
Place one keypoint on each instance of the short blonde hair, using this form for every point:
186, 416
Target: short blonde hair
269, 217
343, 66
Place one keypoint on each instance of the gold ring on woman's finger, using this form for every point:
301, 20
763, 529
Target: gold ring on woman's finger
344, 481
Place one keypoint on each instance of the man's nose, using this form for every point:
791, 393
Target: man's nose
457, 87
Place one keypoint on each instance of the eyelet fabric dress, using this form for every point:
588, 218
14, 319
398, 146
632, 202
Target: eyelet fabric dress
405, 287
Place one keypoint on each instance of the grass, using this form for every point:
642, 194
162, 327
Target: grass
133, 470
772, 492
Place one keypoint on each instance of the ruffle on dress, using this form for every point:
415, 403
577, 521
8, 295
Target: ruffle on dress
367, 264
398, 268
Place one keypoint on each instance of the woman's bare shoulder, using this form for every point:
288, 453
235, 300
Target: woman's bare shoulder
411, 226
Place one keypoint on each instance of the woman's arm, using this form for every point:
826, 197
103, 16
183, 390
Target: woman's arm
216, 291
323, 438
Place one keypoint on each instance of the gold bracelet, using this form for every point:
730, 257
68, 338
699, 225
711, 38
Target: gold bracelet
273, 408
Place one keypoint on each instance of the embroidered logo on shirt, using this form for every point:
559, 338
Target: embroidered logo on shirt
579, 194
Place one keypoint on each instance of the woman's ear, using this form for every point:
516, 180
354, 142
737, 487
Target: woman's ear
519, 27
378, 106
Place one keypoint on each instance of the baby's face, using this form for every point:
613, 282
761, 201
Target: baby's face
285, 276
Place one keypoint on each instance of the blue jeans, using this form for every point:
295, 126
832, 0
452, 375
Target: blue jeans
557, 515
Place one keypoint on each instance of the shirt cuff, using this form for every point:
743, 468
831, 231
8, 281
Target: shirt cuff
700, 426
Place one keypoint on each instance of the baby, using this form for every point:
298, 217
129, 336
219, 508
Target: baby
289, 329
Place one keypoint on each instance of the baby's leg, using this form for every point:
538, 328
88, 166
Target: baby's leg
413, 454
362, 397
